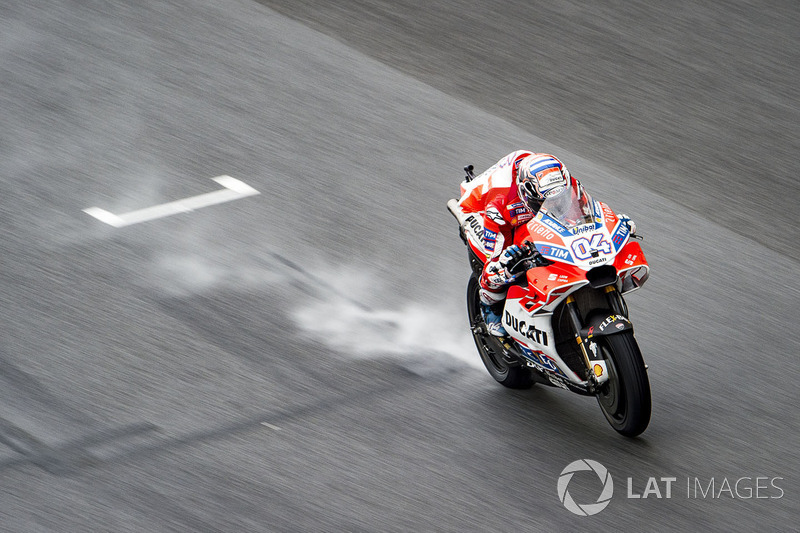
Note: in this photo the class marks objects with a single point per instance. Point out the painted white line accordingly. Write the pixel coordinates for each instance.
(234, 190)
(105, 216)
(270, 426)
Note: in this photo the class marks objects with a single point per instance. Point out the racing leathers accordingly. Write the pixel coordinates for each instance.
(495, 195)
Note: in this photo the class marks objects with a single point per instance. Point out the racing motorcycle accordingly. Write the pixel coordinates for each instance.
(566, 320)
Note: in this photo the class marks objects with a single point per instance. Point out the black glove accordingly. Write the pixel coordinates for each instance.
(538, 259)
(533, 255)
(511, 256)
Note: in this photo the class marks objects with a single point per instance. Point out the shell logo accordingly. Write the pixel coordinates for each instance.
(598, 370)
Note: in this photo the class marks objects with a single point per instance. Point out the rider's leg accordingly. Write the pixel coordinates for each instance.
(492, 308)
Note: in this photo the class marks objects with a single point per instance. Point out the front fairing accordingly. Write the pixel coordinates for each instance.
(575, 229)
(578, 234)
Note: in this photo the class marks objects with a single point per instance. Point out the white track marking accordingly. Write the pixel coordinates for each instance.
(270, 426)
(234, 190)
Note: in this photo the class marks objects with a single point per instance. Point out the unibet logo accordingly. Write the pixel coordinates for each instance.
(587, 509)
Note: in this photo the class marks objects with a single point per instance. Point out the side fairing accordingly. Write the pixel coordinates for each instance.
(632, 267)
(547, 286)
(534, 334)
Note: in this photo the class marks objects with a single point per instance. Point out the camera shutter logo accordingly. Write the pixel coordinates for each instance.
(587, 509)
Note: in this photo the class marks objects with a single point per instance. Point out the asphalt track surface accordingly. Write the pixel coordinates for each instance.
(299, 360)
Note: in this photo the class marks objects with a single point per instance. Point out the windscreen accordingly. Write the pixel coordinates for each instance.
(571, 207)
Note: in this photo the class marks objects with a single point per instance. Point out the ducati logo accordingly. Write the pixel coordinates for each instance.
(525, 329)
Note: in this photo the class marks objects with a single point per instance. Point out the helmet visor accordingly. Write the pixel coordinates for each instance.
(529, 195)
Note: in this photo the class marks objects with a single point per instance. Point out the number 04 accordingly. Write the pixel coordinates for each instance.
(582, 247)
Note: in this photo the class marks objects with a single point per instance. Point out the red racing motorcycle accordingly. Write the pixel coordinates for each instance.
(565, 315)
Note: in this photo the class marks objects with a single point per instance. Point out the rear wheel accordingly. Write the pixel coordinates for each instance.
(625, 397)
(512, 375)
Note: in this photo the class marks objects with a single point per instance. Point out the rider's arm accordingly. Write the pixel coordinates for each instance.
(497, 231)
(498, 235)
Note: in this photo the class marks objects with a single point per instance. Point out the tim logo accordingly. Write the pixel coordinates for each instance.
(555, 252)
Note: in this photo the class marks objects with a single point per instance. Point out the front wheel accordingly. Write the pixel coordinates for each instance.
(625, 397)
(512, 375)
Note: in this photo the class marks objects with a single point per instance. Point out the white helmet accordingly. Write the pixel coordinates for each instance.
(540, 176)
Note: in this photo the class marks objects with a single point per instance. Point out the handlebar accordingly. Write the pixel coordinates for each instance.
(531, 258)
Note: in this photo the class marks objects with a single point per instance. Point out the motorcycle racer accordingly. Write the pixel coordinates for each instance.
(564, 317)
(508, 195)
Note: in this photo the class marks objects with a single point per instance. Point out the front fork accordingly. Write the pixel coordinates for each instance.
(615, 301)
(596, 369)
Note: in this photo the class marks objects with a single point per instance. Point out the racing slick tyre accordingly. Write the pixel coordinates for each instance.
(512, 375)
(625, 397)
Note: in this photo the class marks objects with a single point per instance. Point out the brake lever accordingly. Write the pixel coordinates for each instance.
(520, 267)
(537, 257)
(533, 256)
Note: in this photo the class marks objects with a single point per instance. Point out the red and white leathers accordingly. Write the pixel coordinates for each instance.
(495, 196)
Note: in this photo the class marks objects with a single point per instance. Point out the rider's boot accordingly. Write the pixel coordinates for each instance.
(494, 322)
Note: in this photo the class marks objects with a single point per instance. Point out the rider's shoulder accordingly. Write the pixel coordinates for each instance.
(513, 159)
(504, 171)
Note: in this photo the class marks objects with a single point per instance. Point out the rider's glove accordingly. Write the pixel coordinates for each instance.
(625, 219)
(499, 273)
(497, 276)
(511, 256)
